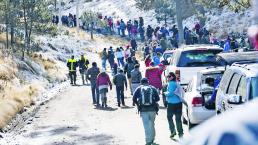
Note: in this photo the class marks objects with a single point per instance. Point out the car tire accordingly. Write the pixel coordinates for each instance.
(189, 124)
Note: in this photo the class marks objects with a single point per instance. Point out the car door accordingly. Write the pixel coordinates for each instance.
(232, 91)
(187, 96)
(223, 87)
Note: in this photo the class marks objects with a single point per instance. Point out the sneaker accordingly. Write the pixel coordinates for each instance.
(172, 135)
(118, 105)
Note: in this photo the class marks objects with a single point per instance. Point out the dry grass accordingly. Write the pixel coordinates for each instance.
(54, 71)
(14, 99)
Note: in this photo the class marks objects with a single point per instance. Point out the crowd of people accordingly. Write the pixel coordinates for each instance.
(126, 75)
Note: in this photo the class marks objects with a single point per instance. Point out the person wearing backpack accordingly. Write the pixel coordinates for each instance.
(174, 105)
(120, 81)
(146, 98)
(129, 66)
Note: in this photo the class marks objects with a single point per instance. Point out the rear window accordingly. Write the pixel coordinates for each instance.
(199, 58)
(254, 87)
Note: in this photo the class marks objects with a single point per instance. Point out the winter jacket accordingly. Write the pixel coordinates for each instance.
(136, 76)
(119, 54)
(103, 79)
(154, 76)
(147, 62)
(104, 55)
(92, 74)
(111, 56)
(137, 97)
(128, 68)
(171, 97)
(83, 64)
(120, 80)
(72, 64)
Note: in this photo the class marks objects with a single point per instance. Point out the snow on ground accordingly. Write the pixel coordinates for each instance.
(220, 22)
(118, 9)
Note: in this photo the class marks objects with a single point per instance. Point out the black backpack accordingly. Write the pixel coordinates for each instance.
(146, 96)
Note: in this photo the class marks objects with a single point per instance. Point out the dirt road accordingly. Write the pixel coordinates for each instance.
(71, 119)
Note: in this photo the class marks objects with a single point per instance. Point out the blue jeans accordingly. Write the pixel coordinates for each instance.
(120, 61)
(95, 93)
(104, 62)
(120, 95)
(148, 119)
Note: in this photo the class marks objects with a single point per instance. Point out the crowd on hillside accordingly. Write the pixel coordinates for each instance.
(164, 35)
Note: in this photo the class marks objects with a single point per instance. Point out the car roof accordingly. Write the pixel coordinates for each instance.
(250, 69)
(169, 51)
(233, 57)
(200, 46)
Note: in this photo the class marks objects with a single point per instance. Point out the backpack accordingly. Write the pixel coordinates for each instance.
(146, 96)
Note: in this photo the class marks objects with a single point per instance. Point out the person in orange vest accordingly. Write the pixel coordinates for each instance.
(72, 64)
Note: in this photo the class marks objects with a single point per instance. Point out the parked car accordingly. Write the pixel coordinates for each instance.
(236, 127)
(190, 59)
(239, 84)
(198, 95)
(166, 55)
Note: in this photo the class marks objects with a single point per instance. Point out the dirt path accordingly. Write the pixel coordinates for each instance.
(71, 119)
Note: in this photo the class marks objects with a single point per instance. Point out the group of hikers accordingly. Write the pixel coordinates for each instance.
(127, 75)
(135, 29)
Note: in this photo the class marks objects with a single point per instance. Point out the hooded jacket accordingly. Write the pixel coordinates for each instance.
(154, 76)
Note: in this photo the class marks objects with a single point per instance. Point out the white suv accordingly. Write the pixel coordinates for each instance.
(238, 85)
(190, 59)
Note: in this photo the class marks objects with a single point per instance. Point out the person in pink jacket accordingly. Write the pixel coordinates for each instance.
(154, 76)
(103, 81)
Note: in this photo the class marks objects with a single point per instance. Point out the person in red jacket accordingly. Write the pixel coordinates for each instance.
(147, 61)
(154, 76)
(103, 81)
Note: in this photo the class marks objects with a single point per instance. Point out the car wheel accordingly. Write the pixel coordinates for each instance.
(190, 125)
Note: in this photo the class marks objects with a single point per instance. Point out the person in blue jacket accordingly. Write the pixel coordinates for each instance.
(174, 106)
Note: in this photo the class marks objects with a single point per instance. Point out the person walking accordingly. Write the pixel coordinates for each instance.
(103, 81)
(146, 98)
(91, 75)
(136, 77)
(120, 57)
(120, 82)
(104, 57)
(72, 64)
(154, 76)
(129, 66)
(174, 106)
(147, 60)
(83, 66)
(111, 57)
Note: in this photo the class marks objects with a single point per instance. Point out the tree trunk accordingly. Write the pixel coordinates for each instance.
(179, 22)
(25, 29)
(55, 4)
(255, 8)
(7, 23)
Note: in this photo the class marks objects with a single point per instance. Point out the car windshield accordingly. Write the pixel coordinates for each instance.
(254, 87)
(199, 58)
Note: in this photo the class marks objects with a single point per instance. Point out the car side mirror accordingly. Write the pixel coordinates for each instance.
(234, 99)
(166, 62)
